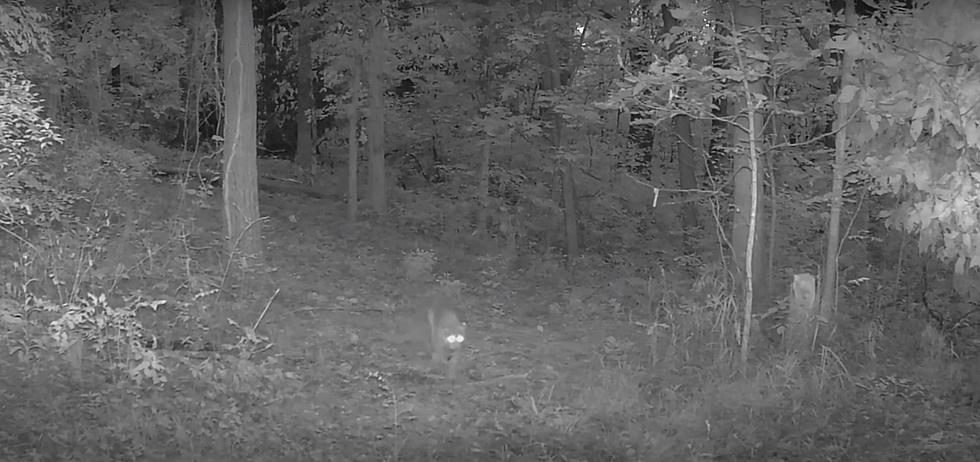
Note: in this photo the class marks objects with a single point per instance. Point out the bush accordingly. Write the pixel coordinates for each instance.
(24, 136)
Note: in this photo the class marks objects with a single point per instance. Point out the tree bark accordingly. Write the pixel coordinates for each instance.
(828, 298)
(683, 140)
(376, 124)
(748, 16)
(353, 118)
(190, 83)
(241, 204)
(552, 79)
(746, 133)
(483, 189)
(304, 93)
(270, 62)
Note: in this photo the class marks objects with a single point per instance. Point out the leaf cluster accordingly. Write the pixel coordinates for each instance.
(24, 136)
(919, 125)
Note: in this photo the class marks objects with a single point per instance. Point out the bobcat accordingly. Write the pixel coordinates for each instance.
(446, 336)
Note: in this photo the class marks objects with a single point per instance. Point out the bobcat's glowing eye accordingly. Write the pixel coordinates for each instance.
(455, 338)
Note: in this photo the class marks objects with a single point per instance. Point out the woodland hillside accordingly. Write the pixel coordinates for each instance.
(677, 230)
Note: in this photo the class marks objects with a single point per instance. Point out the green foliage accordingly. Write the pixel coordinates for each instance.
(22, 32)
(102, 168)
(918, 125)
(121, 65)
(24, 136)
(114, 334)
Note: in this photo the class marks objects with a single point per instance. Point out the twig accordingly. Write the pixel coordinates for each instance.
(265, 310)
(504, 377)
(234, 250)
(21, 239)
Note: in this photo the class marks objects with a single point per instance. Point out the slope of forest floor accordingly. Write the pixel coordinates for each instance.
(560, 365)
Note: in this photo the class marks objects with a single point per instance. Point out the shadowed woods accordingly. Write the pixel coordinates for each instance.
(500, 231)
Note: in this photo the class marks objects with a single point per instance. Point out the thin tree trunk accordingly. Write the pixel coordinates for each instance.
(352, 125)
(571, 209)
(191, 80)
(745, 134)
(565, 166)
(828, 298)
(748, 17)
(95, 96)
(483, 193)
(376, 126)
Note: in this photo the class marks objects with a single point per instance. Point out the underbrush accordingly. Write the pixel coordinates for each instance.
(697, 411)
(677, 391)
(84, 381)
(214, 412)
(160, 363)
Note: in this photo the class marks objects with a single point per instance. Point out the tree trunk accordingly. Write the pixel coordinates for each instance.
(686, 168)
(269, 62)
(718, 162)
(745, 133)
(353, 118)
(376, 121)
(483, 191)
(683, 140)
(241, 202)
(828, 298)
(304, 94)
(190, 84)
(571, 209)
(94, 96)
(565, 166)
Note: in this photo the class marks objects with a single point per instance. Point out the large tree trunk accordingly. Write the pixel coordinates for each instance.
(683, 140)
(376, 122)
(304, 93)
(241, 190)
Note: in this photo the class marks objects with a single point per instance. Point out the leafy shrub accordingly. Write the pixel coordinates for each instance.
(115, 334)
(24, 135)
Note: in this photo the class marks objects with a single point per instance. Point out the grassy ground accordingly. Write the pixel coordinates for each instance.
(589, 365)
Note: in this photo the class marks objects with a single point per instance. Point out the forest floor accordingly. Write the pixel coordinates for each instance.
(559, 365)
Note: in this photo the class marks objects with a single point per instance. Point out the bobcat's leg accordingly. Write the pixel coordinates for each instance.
(453, 364)
(437, 344)
(438, 353)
